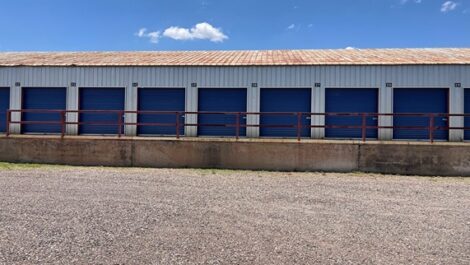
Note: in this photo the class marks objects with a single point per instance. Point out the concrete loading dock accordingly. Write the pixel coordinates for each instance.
(438, 159)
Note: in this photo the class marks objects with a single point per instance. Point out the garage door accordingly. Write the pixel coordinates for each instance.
(419, 100)
(43, 98)
(92, 98)
(4, 106)
(284, 100)
(467, 111)
(221, 100)
(350, 100)
(160, 99)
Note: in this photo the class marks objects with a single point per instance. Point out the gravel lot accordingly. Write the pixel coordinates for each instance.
(67, 215)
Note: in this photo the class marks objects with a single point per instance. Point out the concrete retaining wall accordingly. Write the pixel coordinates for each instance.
(446, 159)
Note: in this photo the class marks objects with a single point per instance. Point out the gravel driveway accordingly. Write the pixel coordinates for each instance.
(66, 215)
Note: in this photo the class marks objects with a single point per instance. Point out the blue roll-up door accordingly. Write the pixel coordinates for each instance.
(221, 100)
(285, 100)
(160, 99)
(419, 100)
(467, 111)
(99, 98)
(43, 98)
(4, 106)
(350, 100)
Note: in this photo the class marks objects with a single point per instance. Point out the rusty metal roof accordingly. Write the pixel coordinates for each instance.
(241, 58)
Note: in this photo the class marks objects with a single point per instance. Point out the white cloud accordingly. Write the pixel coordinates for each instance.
(177, 33)
(201, 31)
(350, 48)
(448, 6)
(291, 26)
(141, 32)
(153, 36)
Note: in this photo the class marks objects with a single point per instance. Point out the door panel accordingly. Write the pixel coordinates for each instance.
(161, 99)
(420, 100)
(467, 111)
(4, 106)
(92, 98)
(221, 100)
(43, 98)
(285, 100)
(351, 100)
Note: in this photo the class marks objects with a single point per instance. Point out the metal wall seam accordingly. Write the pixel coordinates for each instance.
(72, 104)
(318, 106)
(456, 106)
(385, 106)
(253, 106)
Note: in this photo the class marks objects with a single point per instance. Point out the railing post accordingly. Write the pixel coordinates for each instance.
(62, 123)
(238, 126)
(177, 125)
(431, 127)
(363, 128)
(7, 128)
(120, 114)
(299, 124)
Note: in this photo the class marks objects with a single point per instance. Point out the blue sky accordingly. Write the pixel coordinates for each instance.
(67, 25)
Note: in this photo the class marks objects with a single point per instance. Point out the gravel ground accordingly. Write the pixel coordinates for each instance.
(66, 215)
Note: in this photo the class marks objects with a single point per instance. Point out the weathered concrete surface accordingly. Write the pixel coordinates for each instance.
(445, 159)
(268, 155)
(53, 150)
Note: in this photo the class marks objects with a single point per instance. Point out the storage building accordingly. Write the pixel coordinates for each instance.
(95, 86)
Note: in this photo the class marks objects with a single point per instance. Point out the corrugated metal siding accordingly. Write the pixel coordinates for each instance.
(293, 76)
(269, 76)
(265, 76)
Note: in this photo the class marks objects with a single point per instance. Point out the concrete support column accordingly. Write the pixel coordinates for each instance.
(456, 106)
(130, 105)
(191, 106)
(385, 106)
(318, 106)
(253, 105)
(15, 104)
(72, 104)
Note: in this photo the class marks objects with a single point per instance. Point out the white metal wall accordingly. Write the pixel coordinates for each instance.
(444, 76)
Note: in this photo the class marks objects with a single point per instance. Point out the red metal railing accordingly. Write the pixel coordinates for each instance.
(237, 125)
